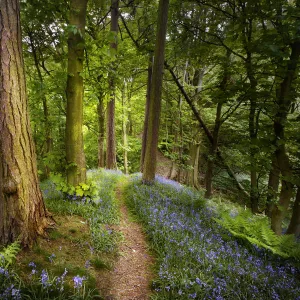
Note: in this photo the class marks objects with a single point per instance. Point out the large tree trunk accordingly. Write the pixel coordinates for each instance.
(155, 94)
(22, 211)
(283, 102)
(294, 227)
(111, 158)
(76, 169)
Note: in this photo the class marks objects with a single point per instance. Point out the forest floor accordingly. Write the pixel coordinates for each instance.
(98, 251)
(123, 274)
(131, 275)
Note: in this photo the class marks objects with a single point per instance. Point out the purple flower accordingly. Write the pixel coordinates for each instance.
(87, 264)
(4, 272)
(32, 264)
(51, 257)
(78, 281)
(45, 279)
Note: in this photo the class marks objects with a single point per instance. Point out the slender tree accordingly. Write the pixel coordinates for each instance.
(217, 127)
(101, 124)
(111, 160)
(48, 129)
(155, 94)
(22, 211)
(283, 106)
(294, 226)
(147, 106)
(76, 169)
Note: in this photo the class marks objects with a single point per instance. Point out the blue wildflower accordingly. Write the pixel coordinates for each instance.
(78, 281)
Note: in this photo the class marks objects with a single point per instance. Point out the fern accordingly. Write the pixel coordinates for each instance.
(257, 231)
(8, 254)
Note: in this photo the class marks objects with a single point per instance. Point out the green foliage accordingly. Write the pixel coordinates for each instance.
(8, 254)
(102, 209)
(82, 190)
(256, 230)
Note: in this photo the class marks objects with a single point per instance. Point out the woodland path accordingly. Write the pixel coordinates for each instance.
(132, 273)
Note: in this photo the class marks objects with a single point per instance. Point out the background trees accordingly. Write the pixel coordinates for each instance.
(230, 95)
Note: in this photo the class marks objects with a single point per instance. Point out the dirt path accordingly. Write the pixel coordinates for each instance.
(130, 279)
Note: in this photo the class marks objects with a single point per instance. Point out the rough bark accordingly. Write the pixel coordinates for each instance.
(283, 103)
(76, 169)
(294, 226)
(111, 159)
(22, 211)
(155, 94)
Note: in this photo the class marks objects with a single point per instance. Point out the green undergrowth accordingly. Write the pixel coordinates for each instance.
(256, 230)
(101, 211)
(68, 263)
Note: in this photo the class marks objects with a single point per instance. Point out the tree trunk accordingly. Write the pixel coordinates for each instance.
(155, 95)
(124, 128)
(111, 159)
(101, 121)
(218, 123)
(76, 168)
(147, 106)
(294, 227)
(22, 211)
(273, 184)
(253, 130)
(48, 131)
(283, 102)
(214, 147)
(192, 175)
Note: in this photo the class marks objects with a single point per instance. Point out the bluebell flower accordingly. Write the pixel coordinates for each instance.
(44, 279)
(87, 264)
(32, 264)
(193, 296)
(51, 257)
(78, 281)
(4, 272)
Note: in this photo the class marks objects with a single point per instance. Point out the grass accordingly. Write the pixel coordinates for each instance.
(197, 258)
(66, 263)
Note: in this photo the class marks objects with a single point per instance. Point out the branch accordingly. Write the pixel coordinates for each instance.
(206, 130)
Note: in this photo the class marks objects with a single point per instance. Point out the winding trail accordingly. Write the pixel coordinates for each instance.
(131, 277)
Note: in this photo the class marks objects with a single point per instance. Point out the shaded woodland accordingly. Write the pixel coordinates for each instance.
(213, 87)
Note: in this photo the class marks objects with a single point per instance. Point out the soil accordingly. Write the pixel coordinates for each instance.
(165, 166)
(132, 273)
